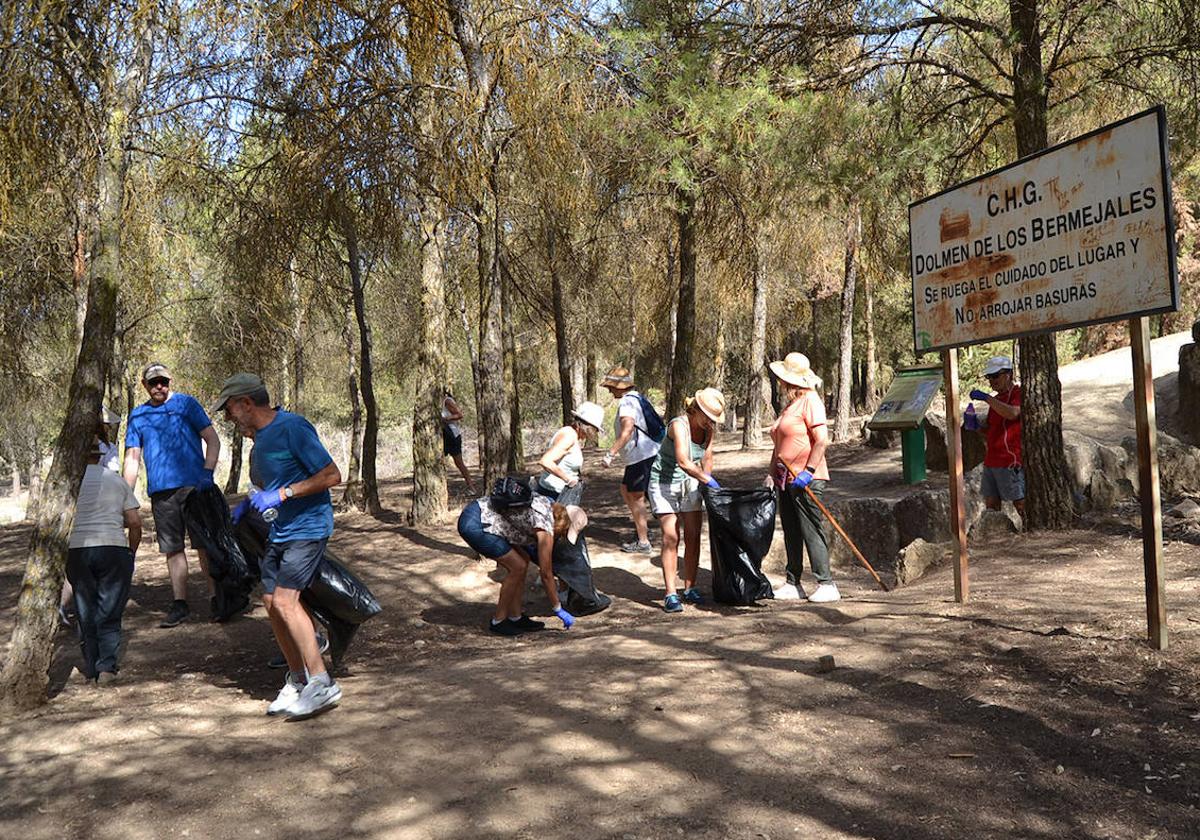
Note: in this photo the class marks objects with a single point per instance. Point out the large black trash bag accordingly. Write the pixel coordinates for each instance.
(573, 566)
(335, 590)
(741, 524)
(233, 573)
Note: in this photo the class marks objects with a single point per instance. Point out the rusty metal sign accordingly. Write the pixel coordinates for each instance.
(1077, 234)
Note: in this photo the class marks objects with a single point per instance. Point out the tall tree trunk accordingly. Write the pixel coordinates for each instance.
(16, 479)
(235, 464)
(430, 502)
(683, 369)
(870, 388)
(296, 380)
(494, 420)
(25, 677)
(841, 429)
(589, 373)
(1048, 499)
(756, 362)
(561, 328)
(352, 494)
(516, 449)
(370, 439)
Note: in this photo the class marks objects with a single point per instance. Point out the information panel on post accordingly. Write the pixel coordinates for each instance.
(1077, 234)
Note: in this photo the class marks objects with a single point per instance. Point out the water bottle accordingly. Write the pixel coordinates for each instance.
(270, 515)
(970, 421)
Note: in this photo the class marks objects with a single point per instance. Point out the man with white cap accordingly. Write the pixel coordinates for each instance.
(295, 471)
(638, 449)
(166, 432)
(1003, 475)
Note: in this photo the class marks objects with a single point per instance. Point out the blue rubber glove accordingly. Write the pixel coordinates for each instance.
(264, 500)
(802, 480)
(566, 617)
(239, 511)
(712, 482)
(976, 394)
(206, 480)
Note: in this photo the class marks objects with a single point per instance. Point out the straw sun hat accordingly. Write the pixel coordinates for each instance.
(795, 370)
(712, 403)
(619, 378)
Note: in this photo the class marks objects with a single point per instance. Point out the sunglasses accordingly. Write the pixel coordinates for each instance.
(158, 382)
(994, 375)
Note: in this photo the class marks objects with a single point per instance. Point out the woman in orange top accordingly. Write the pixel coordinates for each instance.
(798, 466)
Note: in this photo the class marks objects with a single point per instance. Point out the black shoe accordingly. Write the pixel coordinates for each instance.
(280, 662)
(528, 624)
(176, 615)
(507, 627)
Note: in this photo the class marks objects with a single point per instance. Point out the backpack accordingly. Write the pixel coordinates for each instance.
(510, 492)
(655, 429)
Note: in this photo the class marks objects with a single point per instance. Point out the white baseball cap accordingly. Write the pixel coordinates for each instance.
(997, 364)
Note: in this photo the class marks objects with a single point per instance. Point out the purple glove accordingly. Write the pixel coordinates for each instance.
(566, 617)
(712, 482)
(976, 394)
(239, 511)
(206, 480)
(802, 480)
(264, 500)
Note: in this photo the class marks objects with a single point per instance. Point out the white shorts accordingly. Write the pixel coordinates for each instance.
(680, 497)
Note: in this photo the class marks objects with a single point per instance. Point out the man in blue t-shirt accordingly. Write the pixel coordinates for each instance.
(295, 472)
(166, 432)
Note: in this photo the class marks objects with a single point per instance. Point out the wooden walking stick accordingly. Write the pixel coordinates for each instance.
(846, 537)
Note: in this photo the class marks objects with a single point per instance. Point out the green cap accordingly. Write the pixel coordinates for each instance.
(238, 385)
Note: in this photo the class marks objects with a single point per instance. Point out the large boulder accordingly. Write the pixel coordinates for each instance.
(1188, 410)
(1178, 466)
(994, 524)
(920, 556)
(936, 456)
(1102, 475)
(871, 525)
(923, 515)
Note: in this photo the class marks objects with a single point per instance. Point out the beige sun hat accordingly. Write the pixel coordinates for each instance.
(712, 403)
(590, 413)
(796, 370)
(618, 377)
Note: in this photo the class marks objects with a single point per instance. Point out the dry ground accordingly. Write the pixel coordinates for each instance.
(1036, 710)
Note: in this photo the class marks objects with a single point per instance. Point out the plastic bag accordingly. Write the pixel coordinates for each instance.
(573, 566)
(233, 573)
(335, 590)
(741, 525)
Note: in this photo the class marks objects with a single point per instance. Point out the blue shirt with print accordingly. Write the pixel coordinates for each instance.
(286, 451)
(169, 437)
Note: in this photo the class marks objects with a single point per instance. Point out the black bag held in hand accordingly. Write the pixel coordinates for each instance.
(510, 492)
(233, 573)
(573, 566)
(741, 525)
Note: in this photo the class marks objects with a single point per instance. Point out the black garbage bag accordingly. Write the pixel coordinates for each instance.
(573, 566)
(741, 524)
(335, 591)
(234, 575)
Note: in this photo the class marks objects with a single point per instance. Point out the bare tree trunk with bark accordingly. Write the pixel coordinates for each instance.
(683, 373)
(430, 500)
(352, 492)
(235, 464)
(756, 362)
(561, 328)
(296, 380)
(369, 500)
(870, 388)
(841, 429)
(516, 449)
(25, 677)
(1048, 499)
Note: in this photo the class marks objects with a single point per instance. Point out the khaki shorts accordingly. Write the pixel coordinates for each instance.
(678, 497)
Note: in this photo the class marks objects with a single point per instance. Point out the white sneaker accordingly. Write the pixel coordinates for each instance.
(317, 697)
(826, 593)
(288, 695)
(789, 592)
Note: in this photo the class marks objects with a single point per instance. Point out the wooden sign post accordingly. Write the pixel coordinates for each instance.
(958, 513)
(1148, 489)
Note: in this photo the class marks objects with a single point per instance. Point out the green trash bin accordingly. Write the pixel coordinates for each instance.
(912, 454)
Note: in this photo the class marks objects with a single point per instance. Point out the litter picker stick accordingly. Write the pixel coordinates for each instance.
(846, 537)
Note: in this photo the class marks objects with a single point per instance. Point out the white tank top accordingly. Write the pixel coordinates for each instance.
(571, 463)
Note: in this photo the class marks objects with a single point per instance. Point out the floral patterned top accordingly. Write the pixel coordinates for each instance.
(519, 526)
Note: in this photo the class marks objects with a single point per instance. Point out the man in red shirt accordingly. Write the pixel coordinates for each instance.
(1003, 476)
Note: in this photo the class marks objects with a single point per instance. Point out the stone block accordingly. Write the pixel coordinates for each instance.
(993, 524)
(918, 557)
(936, 456)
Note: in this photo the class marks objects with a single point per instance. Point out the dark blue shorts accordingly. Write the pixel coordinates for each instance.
(291, 565)
(470, 528)
(637, 476)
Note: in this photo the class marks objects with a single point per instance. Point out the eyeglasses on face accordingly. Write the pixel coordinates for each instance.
(158, 382)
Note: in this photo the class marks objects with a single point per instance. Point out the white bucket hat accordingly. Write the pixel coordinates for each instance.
(796, 370)
(997, 364)
(590, 413)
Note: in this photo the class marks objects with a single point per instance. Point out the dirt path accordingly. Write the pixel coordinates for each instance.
(1034, 711)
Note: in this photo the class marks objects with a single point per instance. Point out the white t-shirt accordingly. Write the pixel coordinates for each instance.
(100, 511)
(641, 446)
(454, 428)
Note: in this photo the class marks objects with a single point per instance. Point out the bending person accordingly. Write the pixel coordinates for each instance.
(797, 466)
(684, 462)
(562, 462)
(452, 438)
(500, 527)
